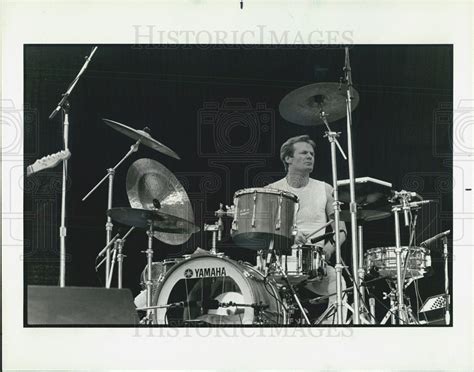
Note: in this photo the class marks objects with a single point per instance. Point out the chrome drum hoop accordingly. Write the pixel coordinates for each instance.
(383, 259)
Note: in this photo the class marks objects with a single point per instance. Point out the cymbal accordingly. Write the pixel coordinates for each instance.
(372, 198)
(143, 136)
(303, 105)
(366, 215)
(149, 185)
(143, 218)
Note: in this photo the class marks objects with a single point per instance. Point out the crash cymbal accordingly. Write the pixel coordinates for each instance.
(151, 185)
(143, 218)
(143, 136)
(303, 105)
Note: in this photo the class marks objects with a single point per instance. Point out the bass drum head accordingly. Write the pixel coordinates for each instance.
(204, 282)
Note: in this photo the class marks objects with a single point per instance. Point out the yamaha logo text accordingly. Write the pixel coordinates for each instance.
(208, 272)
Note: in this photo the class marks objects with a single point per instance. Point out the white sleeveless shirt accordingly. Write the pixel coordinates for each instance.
(315, 204)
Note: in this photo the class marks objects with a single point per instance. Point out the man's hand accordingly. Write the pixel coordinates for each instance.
(301, 238)
(329, 248)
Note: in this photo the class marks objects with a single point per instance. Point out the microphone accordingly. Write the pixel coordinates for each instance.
(421, 202)
(405, 211)
(431, 240)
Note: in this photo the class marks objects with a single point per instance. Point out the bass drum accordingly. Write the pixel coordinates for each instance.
(199, 286)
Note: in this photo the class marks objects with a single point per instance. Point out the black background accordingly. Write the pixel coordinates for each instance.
(401, 134)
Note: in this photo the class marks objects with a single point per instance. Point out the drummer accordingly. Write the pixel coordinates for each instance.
(315, 197)
(315, 202)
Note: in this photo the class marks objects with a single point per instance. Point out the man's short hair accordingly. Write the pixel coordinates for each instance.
(287, 148)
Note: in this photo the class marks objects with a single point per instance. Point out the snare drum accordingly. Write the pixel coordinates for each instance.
(263, 214)
(197, 283)
(384, 260)
(305, 262)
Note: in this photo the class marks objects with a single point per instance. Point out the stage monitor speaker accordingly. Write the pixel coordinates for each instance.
(48, 305)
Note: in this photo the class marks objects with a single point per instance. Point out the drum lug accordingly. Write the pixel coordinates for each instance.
(254, 208)
(278, 223)
(235, 224)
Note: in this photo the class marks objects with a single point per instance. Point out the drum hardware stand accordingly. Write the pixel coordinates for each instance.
(353, 204)
(444, 238)
(216, 228)
(447, 315)
(117, 255)
(270, 258)
(405, 206)
(407, 317)
(332, 138)
(65, 107)
(109, 225)
(372, 311)
(363, 309)
(148, 319)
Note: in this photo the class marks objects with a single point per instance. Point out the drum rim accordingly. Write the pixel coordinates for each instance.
(266, 190)
(236, 264)
(392, 248)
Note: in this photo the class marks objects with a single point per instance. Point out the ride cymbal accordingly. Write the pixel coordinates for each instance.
(303, 106)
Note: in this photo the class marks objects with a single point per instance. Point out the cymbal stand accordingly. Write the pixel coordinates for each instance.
(332, 138)
(271, 257)
(109, 225)
(364, 311)
(447, 315)
(405, 206)
(353, 204)
(117, 255)
(149, 283)
(65, 107)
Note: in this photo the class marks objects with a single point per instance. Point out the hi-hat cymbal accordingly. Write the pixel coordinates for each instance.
(303, 105)
(143, 136)
(371, 197)
(151, 185)
(366, 215)
(143, 218)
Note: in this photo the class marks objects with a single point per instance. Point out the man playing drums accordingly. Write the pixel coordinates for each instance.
(315, 205)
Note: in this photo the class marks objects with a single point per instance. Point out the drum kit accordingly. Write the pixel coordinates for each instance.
(209, 288)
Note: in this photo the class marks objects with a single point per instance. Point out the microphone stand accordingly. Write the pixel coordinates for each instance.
(447, 314)
(65, 107)
(353, 204)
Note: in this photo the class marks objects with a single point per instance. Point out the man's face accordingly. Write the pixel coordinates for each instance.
(302, 159)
